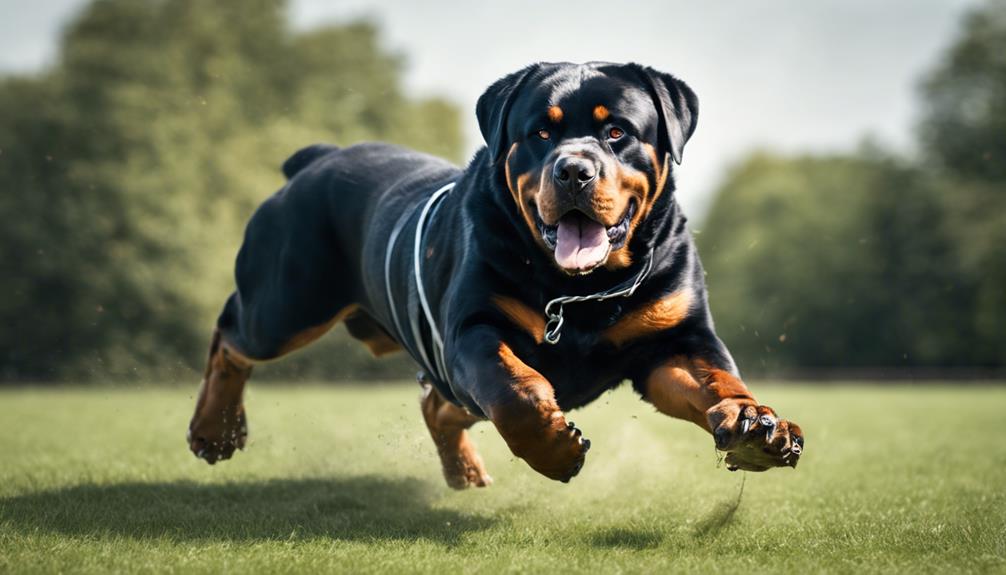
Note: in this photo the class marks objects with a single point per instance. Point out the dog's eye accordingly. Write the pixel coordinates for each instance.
(615, 133)
(544, 134)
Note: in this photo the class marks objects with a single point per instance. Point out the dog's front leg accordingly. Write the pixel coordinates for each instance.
(706, 391)
(521, 404)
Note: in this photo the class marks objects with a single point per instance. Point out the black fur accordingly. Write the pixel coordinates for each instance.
(319, 244)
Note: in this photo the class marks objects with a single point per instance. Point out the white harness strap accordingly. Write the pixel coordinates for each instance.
(553, 311)
(440, 369)
(437, 367)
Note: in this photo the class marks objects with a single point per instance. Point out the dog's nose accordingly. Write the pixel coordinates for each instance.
(574, 173)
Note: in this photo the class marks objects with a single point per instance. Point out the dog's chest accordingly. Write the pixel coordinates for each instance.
(582, 364)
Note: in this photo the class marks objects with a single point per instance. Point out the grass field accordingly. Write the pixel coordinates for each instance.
(894, 479)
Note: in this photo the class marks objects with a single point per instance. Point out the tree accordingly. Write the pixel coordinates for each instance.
(864, 260)
(833, 262)
(963, 134)
(131, 168)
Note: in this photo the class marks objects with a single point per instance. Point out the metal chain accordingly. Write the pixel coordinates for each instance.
(553, 328)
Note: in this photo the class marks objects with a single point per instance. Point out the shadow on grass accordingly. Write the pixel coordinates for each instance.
(350, 508)
(721, 515)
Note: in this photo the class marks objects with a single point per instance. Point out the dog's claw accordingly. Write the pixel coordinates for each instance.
(722, 438)
(756, 439)
(585, 443)
(570, 425)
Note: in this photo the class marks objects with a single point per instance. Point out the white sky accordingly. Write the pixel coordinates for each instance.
(789, 75)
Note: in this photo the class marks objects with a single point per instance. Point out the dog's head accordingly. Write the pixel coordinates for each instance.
(585, 152)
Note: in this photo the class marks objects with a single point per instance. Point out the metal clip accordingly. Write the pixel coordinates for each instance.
(553, 328)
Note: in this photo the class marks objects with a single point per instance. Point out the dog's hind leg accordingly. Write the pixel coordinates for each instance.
(293, 284)
(220, 425)
(448, 425)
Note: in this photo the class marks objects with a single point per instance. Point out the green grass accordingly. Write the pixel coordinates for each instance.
(896, 479)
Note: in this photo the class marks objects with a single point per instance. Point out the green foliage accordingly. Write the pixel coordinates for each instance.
(861, 260)
(131, 168)
(346, 480)
(965, 99)
(964, 133)
(838, 261)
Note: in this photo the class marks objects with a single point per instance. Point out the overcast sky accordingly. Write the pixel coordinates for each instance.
(787, 75)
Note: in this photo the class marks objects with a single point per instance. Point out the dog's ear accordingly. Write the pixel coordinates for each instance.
(677, 105)
(493, 108)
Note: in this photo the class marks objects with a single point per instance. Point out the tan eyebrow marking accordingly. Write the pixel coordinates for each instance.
(601, 113)
(555, 114)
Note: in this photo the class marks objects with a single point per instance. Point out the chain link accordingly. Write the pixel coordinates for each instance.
(554, 309)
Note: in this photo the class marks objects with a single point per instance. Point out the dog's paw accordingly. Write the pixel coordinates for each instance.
(561, 452)
(463, 468)
(536, 430)
(753, 437)
(216, 436)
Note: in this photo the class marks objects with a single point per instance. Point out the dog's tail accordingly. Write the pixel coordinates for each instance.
(303, 157)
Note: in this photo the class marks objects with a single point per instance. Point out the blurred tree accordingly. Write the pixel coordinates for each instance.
(130, 169)
(965, 100)
(863, 260)
(835, 261)
(964, 135)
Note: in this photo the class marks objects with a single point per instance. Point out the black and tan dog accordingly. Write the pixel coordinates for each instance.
(573, 196)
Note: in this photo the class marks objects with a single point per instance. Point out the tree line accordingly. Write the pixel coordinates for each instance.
(129, 168)
(868, 261)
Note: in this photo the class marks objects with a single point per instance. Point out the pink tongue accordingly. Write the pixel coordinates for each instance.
(581, 243)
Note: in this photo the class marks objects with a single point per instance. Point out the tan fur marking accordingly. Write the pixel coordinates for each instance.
(555, 114)
(522, 181)
(219, 424)
(448, 425)
(506, 172)
(654, 317)
(381, 346)
(363, 327)
(601, 113)
(532, 424)
(616, 193)
(312, 333)
(619, 259)
(662, 170)
(669, 389)
(531, 321)
(517, 190)
(687, 388)
(521, 374)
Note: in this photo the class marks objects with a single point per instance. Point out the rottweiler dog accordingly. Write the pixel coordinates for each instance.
(554, 267)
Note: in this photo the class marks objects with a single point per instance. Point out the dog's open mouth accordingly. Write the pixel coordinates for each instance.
(580, 243)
